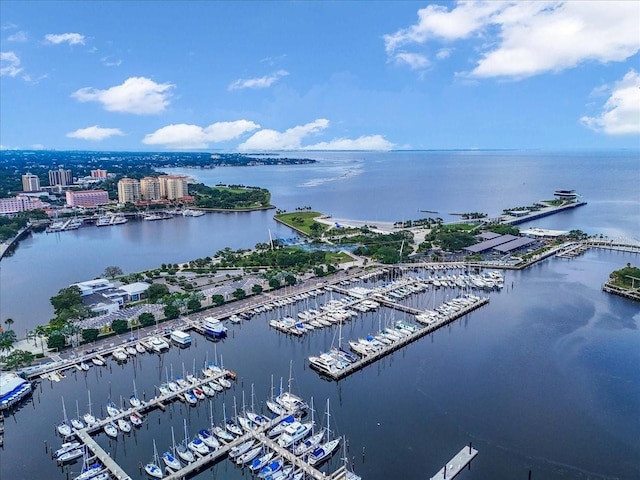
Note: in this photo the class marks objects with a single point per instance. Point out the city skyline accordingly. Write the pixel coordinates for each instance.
(259, 76)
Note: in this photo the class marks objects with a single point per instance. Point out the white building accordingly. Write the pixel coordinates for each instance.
(30, 183)
(135, 291)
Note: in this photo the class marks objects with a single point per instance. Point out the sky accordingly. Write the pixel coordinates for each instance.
(319, 75)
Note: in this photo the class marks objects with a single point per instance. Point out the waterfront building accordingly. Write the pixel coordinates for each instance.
(150, 188)
(135, 291)
(87, 198)
(20, 203)
(99, 173)
(129, 190)
(173, 187)
(93, 286)
(60, 177)
(30, 183)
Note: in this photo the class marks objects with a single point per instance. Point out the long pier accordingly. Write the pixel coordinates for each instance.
(387, 349)
(456, 464)
(110, 464)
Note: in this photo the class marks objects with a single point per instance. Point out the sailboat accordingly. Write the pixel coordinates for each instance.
(207, 435)
(183, 452)
(76, 422)
(152, 468)
(253, 416)
(63, 427)
(324, 451)
(88, 418)
(134, 401)
(312, 442)
(232, 426)
(274, 406)
(292, 403)
(220, 430)
(168, 457)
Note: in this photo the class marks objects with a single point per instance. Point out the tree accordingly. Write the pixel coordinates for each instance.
(274, 283)
(56, 340)
(18, 358)
(256, 289)
(112, 272)
(66, 299)
(193, 304)
(217, 300)
(119, 326)
(7, 339)
(171, 312)
(156, 291)
(8, 322)
(290, 279)
(239, 294)
(146, 319)
(90, 334)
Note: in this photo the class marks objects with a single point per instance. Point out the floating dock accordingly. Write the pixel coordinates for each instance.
(456, 464)
(387, 349)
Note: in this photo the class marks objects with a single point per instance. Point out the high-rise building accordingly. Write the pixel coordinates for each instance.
(98, 173)
(30, 183)
(87, 198)
(173, 187)
(150, 188)
(129, 190)
(60, 177)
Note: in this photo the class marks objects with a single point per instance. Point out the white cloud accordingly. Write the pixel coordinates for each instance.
(521, 39)
(9, 64)
(621, 112)
(95, 133)
(20, 36)
(290, 139)
(70, 38)
(111, 61)
(261, 82)
(443, 53)
(415, 61)
(138, 95)
(366, 142)
(193, 136)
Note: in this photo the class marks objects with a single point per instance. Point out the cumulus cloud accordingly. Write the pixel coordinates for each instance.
(9, 64)
(183, 135)
(290, 139)
(95, 133)
(366, 142)
(138, 95)
(70, 38)
(521, 39)
(261, 82)
(621, 113)
(19, 36)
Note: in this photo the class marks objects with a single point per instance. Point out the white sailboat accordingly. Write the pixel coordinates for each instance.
(183, 452)
(88, 418)
(76, 422)
(134, 401)
(63, 427)
(153, 469)
(169, 458)
(324, 451)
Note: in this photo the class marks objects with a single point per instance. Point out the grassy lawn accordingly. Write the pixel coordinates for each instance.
(338, 257)
(303, 221)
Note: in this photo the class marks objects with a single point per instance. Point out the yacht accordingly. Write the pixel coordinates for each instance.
(214, 327)
(294, 432)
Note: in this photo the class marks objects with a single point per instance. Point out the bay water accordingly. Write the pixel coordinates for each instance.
(544, 378)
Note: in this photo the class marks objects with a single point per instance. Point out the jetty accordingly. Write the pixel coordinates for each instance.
(109, 463)
(420, 332)
(456, 464)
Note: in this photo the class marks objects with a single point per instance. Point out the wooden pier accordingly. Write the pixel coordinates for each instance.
(456, 464)
(387, 349)
(110, 464)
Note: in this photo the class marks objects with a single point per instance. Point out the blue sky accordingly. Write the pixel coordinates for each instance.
(229, 76)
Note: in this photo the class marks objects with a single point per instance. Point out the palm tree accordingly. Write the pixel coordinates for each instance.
(8, 322)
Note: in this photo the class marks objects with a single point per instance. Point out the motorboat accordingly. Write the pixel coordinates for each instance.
(214, 327)
(279, 428)
(198, 446)
(294, 432)
(70, 455)
(65, 447)
(119, 354)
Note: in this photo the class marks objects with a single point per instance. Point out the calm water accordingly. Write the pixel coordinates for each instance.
(545, 377)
